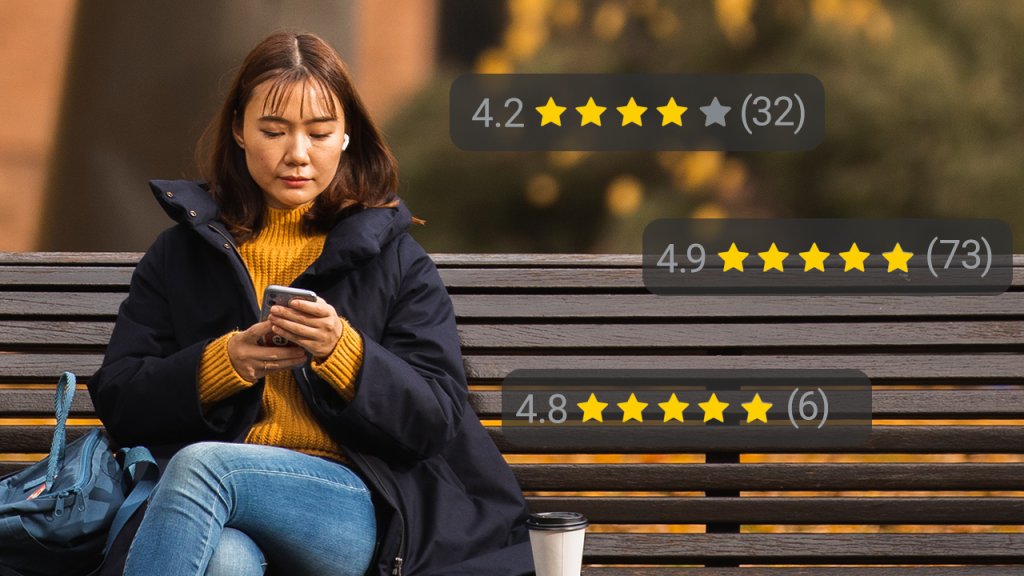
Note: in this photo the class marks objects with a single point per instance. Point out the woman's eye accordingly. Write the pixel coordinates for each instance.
(272, 134)
(320, 136)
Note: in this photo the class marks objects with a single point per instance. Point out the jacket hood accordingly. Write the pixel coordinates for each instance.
(353, 241)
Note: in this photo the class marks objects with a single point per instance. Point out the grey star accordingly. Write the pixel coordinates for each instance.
(715, 112)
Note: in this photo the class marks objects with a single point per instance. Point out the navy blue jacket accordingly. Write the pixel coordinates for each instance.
(447, 503)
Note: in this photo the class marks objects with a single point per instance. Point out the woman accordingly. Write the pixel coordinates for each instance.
(354, 451)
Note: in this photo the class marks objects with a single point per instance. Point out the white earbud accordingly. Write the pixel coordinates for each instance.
(344, 143)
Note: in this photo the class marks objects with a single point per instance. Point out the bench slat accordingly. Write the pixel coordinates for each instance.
(878, 367)
(702, 336)
(49, 366)
(487, 404)
(883, 439)
(440, 259)
(546, 306)
(629, 548)
(633, 306)
(587, 279)
(803, 571)
(745, 335)
(754, 477)
(92, 276)
(60, 303)
(794, 510)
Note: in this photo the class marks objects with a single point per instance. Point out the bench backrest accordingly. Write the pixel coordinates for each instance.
(946, 374)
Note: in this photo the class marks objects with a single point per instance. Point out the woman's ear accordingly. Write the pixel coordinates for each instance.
(236, 131)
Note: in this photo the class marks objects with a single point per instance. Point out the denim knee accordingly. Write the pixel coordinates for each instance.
(236, 555)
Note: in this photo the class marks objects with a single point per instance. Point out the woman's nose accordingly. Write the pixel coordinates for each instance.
(298, 150)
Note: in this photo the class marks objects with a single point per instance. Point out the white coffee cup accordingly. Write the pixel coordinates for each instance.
(557, 542)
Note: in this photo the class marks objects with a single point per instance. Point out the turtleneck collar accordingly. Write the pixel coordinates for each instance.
(288, 222)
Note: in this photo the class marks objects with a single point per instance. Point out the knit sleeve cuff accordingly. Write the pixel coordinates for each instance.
(217, 377)
(342, 365)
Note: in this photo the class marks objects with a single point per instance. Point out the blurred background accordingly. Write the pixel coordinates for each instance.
(923, 111)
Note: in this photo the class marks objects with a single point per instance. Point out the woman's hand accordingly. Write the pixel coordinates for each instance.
(314, 326)
(253, 361)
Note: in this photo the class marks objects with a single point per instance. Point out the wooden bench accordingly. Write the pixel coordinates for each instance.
(946, 374)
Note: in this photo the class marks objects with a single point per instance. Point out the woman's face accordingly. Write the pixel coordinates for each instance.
(291, 157)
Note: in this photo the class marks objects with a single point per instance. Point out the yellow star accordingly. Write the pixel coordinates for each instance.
(713, 409)
(673, 408)
(814, 258)
(591, 113)
(671, 114)
(898, 258)
(592, 409)
(632, 410)
(773, 258)
(757, 410)
(551, 112)
(631, 113)
(854, 258)
(733, 258)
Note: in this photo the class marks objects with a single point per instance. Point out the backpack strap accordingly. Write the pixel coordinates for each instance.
(140, 489)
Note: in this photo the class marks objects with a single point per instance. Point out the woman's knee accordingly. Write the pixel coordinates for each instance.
(236, 555)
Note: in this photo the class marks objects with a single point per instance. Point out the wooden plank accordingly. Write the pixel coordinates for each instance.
(786, 510)
(960, 404)
(440, 259)
(824, 477)
(71, 258)
(883, 440)
(879, 367)
(48, 366)
(55, 333)
(634, 306)
(884, 403)
(538, 260)
(537, 279)
(92, 276)
(646, 336)
(628, 548)
(703, 336)
(679, 570)
(60, 303)
(472, 306)
(980, 368)
(16, 403)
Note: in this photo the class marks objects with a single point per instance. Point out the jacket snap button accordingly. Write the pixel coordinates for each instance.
(192, 213)
(170, 194)
(228, 246)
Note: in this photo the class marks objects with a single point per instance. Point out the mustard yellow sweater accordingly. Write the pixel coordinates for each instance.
(278, 256)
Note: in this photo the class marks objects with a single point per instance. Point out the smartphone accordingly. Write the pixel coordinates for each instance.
(280, 295)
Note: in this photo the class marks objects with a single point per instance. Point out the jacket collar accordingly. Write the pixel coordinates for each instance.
(351, 243)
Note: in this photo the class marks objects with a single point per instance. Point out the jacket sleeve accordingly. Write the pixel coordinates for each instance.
(410, 389)
(146, 392)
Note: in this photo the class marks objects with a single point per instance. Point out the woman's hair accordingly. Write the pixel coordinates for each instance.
(367, 172)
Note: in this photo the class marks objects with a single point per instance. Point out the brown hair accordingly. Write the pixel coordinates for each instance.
(367, 172)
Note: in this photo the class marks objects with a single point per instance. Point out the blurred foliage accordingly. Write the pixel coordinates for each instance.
(922, 120)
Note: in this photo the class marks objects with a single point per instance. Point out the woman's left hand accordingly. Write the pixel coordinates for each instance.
(314, 326)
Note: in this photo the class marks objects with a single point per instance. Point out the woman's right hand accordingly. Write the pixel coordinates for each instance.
(253, 361)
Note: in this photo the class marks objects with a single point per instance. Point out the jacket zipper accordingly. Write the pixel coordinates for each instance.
(396, 566)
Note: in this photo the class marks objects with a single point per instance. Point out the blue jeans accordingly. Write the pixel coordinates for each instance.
(222, 508)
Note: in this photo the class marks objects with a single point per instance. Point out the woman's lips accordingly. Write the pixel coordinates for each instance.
(295, 183)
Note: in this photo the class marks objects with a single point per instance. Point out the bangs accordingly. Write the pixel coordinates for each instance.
(283, 85)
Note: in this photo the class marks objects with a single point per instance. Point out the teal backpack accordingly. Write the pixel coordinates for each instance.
(59, 516)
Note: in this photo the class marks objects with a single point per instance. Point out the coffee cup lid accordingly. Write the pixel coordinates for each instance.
(557, 521)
